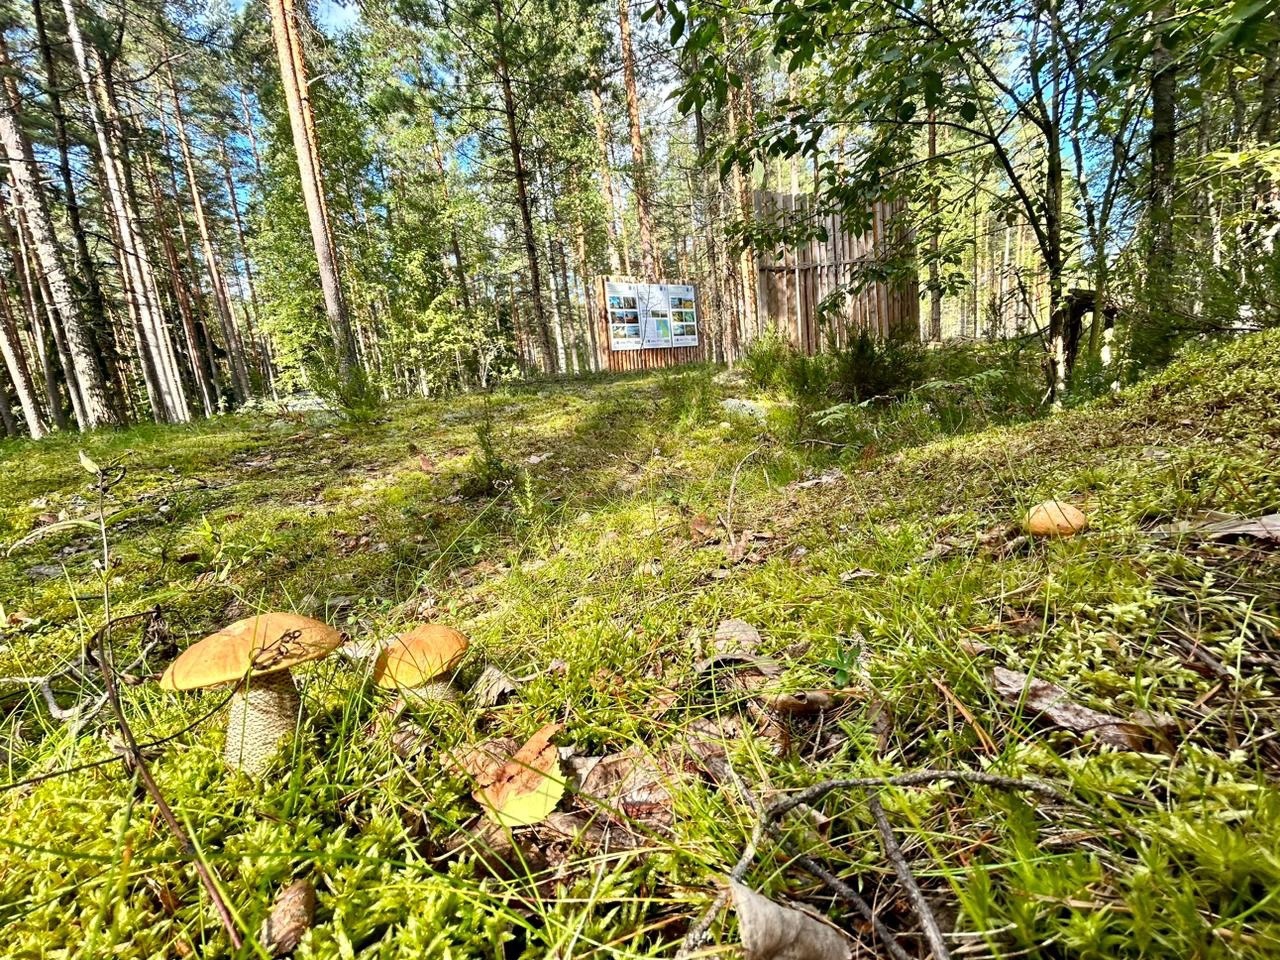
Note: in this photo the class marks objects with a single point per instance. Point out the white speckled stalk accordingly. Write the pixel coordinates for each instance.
(433, 691)
(262, 714)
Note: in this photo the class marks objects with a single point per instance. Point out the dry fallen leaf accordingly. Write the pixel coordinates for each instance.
(771, 931)
(735, 637)
(631, 784)
(822, 480)
(1053, 703)
(291, 916)
(492, 687)
(527, 787)
(427, 464)
(700, 528)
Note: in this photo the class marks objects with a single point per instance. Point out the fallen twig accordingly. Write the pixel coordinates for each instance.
(894, 852)
(859, 903)
(733, 486)
(767, 820)
(133, 759)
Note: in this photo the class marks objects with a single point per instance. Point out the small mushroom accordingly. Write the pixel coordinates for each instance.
(1053, 518)
(420, 663)
(256, 654)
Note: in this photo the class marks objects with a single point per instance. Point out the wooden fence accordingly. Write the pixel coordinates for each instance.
(791, 287)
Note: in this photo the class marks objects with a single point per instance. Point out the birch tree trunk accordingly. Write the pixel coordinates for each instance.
(15, 362)
(97, 409)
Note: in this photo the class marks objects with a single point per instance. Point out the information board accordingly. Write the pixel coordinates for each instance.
(645, 316)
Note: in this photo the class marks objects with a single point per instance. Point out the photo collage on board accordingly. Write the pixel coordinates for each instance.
(624, 319)
(651, 316)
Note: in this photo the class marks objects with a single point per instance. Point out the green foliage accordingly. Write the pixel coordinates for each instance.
(488, 472)
(690, 396)
(587, 562)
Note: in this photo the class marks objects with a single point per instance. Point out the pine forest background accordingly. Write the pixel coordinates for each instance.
(208, 205)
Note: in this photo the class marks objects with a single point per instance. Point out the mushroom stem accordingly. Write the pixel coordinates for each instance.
(433, 691)
(263, 712)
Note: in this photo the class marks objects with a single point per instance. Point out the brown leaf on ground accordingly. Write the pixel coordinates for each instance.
(822, 480)
(735, 637)
(1019, 624)
(492, 688)
(527, 787)
(291, 916)
(427, 464)
(498, 853)
(1054, 704)
(770, 931)
(632, 784)
(703, 529)
(481, 761)
(593, 834)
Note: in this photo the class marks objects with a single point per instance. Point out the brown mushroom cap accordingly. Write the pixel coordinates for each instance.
(251, 647)
(425, 653)
(1054, 518)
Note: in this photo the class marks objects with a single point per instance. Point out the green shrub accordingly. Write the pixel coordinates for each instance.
(764, 362)
(872, 368)
(488, 473)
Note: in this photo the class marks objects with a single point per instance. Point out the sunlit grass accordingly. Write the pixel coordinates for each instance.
(586, 557)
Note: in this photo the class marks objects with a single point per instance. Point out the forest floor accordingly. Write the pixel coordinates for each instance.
(594, 541)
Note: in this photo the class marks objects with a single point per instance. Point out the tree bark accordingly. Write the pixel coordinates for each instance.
(288, 44)
(639, 164)
(106, 350)
(168, 400)
(97, 408)
(217, 282)
(15, 362)
(612, 226)
(522, 188)
(1163, 143)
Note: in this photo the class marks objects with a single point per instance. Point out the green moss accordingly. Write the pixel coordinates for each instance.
(585, 556)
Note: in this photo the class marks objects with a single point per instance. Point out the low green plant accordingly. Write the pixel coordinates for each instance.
(690, 396)
(488, 473)
(875, 368)
(353, 393)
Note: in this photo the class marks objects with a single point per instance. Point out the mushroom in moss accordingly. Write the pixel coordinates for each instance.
(256, 654)
(1053, 518)
(421, 662)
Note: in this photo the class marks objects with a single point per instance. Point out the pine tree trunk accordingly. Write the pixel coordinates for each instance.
(639, 166)
(522, 190)
(106, 349)
(217, 282)
(248, 132)
(455, 246)
(288, 44)
(204, 381)
(747, 266)
(97, 409)
(1163, 143)
(259, 338)
(606, 183)
(167, 398)
(31, 309)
